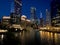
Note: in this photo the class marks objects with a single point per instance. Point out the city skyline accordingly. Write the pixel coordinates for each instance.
(40, 5)
(29, 22)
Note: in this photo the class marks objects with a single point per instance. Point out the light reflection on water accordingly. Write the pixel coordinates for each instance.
(33, 37)
(49, 38)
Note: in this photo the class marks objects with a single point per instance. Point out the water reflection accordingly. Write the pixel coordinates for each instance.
(49, 38)
(23, 38)
(2, 38)
(31, 37)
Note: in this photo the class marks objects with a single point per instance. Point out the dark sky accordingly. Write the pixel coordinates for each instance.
(41, 5)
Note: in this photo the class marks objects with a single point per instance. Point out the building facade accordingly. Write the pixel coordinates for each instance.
(33, 15)
(41, 20)
(18, 8)
(55, 13)
(6, 20)
(48, 18)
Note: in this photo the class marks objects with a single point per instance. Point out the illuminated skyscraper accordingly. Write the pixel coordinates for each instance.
(33, 14)
(55, 12)
(18, 8)
(13, 14)
(48, 18)
(41, 20)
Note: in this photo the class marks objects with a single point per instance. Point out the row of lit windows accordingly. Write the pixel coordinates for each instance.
(55, 21)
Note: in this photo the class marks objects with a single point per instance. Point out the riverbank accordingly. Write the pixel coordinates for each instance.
(53, 31)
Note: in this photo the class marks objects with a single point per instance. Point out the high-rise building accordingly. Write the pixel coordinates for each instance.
(18, 8)
(48, 18)
(33, 14)
(12, 14)
(16, 11)
(13, 18)
(41, 20)
(55, 12)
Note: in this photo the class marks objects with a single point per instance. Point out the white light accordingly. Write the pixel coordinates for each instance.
(2, 36)
(23, 19)
(16, 29)
(28, 20)
(23, 16)
(6, 17)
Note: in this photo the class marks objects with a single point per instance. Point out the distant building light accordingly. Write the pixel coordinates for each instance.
(23, 19)
(58, 17)
(23, 16)
(58, 24)
(58, 11)
(6, 17)
(28, 20)
(54, 18)
(54, 21)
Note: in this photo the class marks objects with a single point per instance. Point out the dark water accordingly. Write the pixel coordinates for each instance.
(31, 37)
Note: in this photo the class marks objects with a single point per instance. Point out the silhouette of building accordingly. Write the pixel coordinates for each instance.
(55, 12)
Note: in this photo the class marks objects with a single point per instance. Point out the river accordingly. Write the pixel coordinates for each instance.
(31, 37)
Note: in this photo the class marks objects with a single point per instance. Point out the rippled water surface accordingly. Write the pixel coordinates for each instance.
(31, 37)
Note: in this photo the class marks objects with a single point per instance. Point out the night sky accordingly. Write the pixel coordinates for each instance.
(41, 5)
